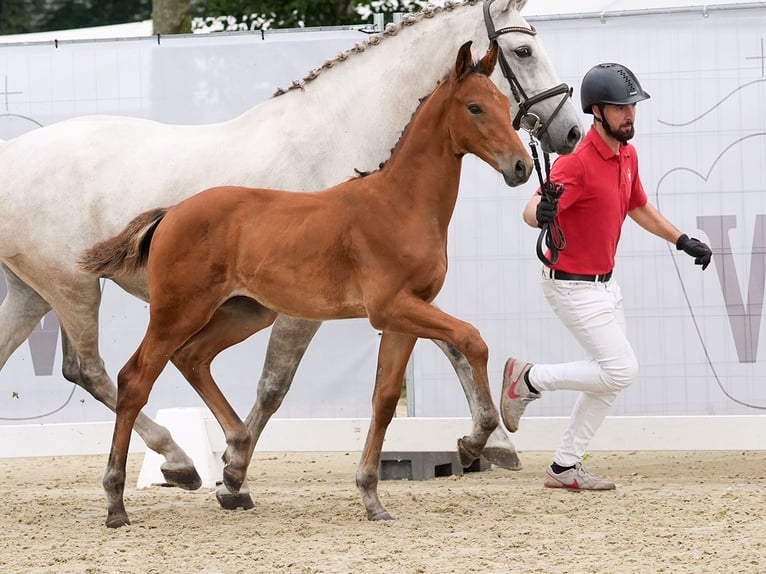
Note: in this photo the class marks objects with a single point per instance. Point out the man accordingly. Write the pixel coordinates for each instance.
(601, 187)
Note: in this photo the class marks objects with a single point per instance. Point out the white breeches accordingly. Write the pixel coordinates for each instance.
(593, 313)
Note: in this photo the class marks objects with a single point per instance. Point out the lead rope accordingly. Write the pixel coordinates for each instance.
(550, 233)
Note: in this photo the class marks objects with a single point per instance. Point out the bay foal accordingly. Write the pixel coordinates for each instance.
(374, 246)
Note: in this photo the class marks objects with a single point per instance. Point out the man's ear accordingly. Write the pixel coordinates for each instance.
(596, 111)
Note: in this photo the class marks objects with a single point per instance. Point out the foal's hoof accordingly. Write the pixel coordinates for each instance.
(502, 457)
(229, 501)
(186, 478)
(232, 481)
(466, 455)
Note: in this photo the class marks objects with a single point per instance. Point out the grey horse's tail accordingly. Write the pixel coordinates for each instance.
(124, 253)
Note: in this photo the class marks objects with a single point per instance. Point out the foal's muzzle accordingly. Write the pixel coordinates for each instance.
(518, 173)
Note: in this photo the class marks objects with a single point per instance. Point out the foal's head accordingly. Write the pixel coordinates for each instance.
(479, 117)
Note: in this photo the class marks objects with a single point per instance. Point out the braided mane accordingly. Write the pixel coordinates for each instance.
(382, 164)
(390, 30)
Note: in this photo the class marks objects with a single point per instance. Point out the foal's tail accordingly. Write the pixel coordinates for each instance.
(124, 253)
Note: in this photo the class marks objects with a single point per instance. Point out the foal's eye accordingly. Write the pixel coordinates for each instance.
(475, 109)
(523, 52)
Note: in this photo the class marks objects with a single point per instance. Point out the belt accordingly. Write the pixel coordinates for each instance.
(563, 275)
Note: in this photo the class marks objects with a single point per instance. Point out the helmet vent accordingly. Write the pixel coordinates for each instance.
(632, 89)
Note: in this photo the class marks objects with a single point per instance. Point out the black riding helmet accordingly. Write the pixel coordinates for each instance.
(610, 84)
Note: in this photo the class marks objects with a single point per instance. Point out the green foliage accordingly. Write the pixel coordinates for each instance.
(280, 13)
(65, 14)
(218, 15)
(18, 16)
(22, 16)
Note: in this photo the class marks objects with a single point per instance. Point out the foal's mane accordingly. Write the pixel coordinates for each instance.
(390, 30)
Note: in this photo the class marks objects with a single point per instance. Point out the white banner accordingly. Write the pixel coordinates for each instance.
(701, 140)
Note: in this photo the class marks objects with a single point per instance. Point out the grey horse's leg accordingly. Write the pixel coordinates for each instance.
(289, 339)
(232, 322)
(499, 449)
(20, 313)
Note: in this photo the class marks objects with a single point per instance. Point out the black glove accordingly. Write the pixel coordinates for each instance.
(546, 210)
(695, 248)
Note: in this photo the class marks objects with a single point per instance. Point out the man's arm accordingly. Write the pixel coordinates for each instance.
(648, 217)
(530, 210)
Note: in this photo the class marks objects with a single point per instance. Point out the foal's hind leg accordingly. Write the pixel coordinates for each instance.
(178, 468)
(233, 322)
(393, 353)
(21, 312)
(288, 341)
(171, 325)
(83, 366)
(500, 451)
(134, 383)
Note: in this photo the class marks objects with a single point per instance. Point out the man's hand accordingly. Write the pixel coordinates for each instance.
(695, 248)
(546, 211)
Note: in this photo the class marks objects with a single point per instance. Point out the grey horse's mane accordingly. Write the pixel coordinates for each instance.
(390, 30)
(474, 69)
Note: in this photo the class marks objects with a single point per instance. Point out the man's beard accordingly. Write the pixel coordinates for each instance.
(622, 135)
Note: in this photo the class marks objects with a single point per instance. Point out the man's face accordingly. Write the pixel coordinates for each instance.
(618, 121)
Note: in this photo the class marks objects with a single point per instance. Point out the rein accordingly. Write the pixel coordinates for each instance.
(550, 233)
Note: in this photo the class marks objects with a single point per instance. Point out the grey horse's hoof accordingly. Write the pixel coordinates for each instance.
(467, 457)
(117, 521)
(381, 516)
(186, 478)
(502, 457)
(229, 501)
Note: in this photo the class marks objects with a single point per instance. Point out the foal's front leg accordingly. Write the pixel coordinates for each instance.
(420, 319)
(499, 450)
(393, 354)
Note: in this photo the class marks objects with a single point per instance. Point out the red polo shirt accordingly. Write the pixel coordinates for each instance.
(600, 188)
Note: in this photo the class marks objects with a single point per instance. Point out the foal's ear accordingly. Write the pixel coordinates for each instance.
(464, 63)
(487, 63)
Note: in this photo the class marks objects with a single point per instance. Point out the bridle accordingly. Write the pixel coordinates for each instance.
(550, 233)
(524, 102)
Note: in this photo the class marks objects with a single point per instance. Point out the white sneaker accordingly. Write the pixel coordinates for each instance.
(577, 478)
(515, 395)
